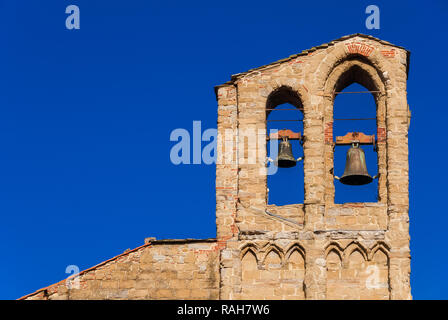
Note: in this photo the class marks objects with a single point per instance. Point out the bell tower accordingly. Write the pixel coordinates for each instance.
(316, 248)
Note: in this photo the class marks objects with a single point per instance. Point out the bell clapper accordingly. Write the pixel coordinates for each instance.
(376, 176)
(335, 176)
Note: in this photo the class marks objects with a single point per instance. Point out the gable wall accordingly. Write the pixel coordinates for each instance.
(155, 271)
(317, 223)
(311, 250)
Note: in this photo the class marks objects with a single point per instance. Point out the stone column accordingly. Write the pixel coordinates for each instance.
(398, 184)
(226, 184)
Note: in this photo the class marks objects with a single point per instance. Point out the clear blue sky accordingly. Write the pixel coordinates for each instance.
(86, 115)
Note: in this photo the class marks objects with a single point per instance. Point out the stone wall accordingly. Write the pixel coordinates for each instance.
(311, 250)
(351, 250)
(271, 272)
(183, 269)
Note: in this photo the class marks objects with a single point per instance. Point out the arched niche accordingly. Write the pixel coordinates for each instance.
(250, 273)
(295, 263)
(355, 70)
(284, 110)
(249, 262)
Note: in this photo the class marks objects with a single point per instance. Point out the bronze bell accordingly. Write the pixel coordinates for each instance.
(285, 158)
(355, 173)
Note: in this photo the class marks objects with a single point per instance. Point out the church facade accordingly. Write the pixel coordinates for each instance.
(317, 249)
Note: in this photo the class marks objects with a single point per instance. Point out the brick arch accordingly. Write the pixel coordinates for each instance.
(249, 247)
(294, 247)
(284, 94)
(340, 54)
(278, 87)
(246, 256)
(354, 70)
(337, 253)
(277, 250)
(351, 71)
(382, 251)
(334, 246)
(290, 258)
(249, 251)
(352, 247)
(379, 246)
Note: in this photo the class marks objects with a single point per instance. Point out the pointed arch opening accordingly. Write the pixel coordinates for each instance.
(284, 110)
(362, 107)
(356, 104)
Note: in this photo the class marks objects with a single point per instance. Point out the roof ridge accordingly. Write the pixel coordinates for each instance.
(126, 252)
(306, 52)
(86, 270)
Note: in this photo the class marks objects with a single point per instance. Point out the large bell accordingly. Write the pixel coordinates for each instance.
(285, 158)
(355, 173)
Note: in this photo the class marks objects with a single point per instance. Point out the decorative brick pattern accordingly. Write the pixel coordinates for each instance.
(329, 133)
(360, 48)
(388, 53)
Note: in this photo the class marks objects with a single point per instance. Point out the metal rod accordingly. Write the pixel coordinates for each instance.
(271, 109)
(341, 119)
(282, 218)
(339, 92)
(357, 119)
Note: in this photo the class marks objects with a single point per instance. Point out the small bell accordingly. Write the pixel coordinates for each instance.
(355, 173)
(285, 158)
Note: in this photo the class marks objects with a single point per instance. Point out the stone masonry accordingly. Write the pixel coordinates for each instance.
(311, 250)
(163, 269)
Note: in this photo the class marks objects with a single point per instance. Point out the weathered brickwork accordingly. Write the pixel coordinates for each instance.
(312, 250)
(348, 251)
(158, 270)
(270, 272)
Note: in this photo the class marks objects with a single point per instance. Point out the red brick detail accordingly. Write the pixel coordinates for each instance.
(388, 53)
(381, 134)
(351, 137)
(285, 133)
(328, 133)
(358, 47)
(221, 244)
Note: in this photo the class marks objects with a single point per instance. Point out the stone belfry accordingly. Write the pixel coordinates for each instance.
(317, 249)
